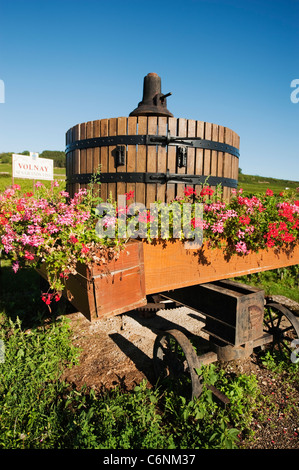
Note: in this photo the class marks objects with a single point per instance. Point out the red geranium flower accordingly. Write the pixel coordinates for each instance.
(188, 191)
(207, 191)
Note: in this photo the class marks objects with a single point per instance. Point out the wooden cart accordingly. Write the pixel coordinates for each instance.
(198, 279)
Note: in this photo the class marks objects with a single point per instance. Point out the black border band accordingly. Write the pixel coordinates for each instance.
(154, 178)
(194, 142)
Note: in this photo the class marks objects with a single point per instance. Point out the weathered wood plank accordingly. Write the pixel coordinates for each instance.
(181, 132)
(104, 131)
(96, 153)
(161, 158)
(83, 152)
(131, 155)
(227, 166)
(199, 154)
(76, 158)
(89, 152)
(207, 153)
(171, 159)
(214, 153)
(151, 189)
(141, 159)
(191, 132)
(111, 161)
(121, 130)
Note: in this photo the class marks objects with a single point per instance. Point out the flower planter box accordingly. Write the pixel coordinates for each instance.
(168, 265)
(104, 291)
(148, 268)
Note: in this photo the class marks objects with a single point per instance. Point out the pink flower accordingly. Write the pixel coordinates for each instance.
(197, 223)
(15, 266)
(73, 239)
(28, 255)
(217, 227)
(240, 234)
(38, 184)
(241, 247)
(84, 249)
(25, 239)
(109, 221)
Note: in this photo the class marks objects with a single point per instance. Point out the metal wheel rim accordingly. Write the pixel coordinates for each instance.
(284, 327)
(168, 365)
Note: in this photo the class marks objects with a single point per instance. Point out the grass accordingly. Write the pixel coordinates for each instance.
(282, 281)
(27, 185)
(253, 184)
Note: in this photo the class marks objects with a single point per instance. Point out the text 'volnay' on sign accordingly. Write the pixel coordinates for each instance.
(32, 167)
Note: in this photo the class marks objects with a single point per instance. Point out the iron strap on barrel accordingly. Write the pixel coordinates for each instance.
(160, 178)
(194, 142)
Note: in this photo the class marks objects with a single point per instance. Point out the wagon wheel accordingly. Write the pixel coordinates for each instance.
(175, 363)
(284, 327)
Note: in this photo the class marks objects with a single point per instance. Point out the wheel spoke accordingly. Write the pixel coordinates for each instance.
(283, 325)
(175, 362)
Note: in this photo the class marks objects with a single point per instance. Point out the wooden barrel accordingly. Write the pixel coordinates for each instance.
(154, 156)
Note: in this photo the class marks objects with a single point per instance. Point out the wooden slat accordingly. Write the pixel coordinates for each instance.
(69, 158)
(235, 163)
(214, 154)
(96, 154)
(131, 154)
(200, 125)
(181, 132)
(89, 152)
(151, 189)
(112, 123)
(161, 158)
(104, 132)
(191, 130)
(121, 129)
(220, 162)
(227, 166)
(76, 158)
(207, 153)
(141, 159)
(170, 266)
(83, 152)
(171, 159)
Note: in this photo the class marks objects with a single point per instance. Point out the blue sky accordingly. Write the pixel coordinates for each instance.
(227, 62)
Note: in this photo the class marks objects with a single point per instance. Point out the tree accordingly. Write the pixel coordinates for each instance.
(56, 155)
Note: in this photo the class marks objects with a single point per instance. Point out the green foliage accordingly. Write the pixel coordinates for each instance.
(56, 155)
(281, 281)
(29, 385)
(38, 410)
(254, 184)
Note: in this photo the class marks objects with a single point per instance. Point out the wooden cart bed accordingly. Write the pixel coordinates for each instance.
(150, 268)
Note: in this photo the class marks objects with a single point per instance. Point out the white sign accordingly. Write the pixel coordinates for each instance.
(32, 167)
